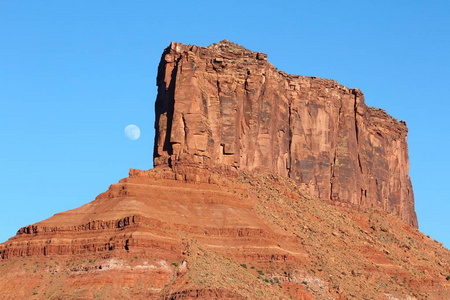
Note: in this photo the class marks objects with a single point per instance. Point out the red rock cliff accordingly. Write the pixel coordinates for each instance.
(224, 105)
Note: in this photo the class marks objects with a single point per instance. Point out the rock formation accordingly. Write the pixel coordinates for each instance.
(231, 210)
(155, 235)
(225, 105)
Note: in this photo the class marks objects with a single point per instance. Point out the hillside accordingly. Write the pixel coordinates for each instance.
(255, 236)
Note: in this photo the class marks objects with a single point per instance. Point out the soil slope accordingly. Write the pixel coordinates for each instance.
(152, 236)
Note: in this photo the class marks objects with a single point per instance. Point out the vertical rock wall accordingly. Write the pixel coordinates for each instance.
(225, 105)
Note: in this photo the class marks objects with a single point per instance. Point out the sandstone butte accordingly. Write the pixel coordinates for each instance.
(265, 186)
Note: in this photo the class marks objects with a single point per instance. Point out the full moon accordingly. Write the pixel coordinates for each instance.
(132, 132)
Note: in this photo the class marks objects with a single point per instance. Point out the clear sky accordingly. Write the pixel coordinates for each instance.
(73, 74)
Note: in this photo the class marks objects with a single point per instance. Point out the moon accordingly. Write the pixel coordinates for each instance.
(132, 132)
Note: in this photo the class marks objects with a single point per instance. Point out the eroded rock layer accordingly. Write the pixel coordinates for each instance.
(156, 235)
(224, 105)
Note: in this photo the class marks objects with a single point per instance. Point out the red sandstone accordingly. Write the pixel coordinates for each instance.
(226, 105)
(266, 186)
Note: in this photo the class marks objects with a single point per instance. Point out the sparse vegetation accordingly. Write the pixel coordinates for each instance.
(312, 223)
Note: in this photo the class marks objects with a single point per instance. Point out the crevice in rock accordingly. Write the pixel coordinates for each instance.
(333, 165)
(291, 130)
(363, 196)
(359, 163)
(355, 108)
(185, 129)
(218, 87)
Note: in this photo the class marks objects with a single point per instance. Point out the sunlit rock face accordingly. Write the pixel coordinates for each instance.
(230, 210)
(226, 106)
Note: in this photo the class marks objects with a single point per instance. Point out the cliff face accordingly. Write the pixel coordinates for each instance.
(225, 106)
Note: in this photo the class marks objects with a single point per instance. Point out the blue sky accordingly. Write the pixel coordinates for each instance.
(73, 74)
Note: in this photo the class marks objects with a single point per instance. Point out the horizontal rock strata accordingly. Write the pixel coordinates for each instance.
(161, 235)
